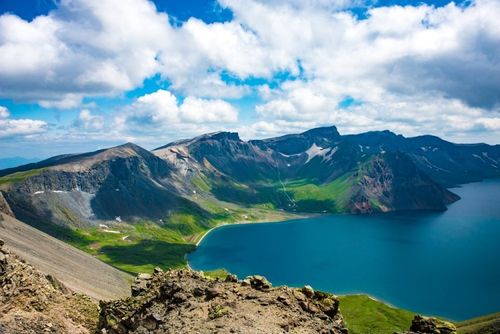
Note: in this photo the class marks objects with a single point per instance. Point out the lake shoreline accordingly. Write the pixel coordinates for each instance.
(264, 221)
(333, 252)
(244, 222)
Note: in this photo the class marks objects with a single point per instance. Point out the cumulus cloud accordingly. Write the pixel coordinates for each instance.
(449, 50)
(161, 113)
(88, 121)
(4, 112)
(83, 48)
(19, 127)
(410, 115)
(411, 68)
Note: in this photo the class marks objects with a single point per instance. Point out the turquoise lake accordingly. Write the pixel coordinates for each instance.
(445, 264)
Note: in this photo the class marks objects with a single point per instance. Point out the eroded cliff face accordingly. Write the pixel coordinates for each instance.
(4, 206)
(187, 302)
(126, 181)
(392, 182)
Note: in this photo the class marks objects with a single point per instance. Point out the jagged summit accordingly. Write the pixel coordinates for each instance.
(299, 143)
(219, 135)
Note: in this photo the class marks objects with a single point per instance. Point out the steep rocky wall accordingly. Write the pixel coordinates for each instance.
(4, 206)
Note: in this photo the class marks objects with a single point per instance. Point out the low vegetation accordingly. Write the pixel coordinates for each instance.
(489, 324)
(365, 315)
(330, 197)
(143, 245)
(19, 176)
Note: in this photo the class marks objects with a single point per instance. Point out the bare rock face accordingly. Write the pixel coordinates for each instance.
(33, 302)
(4, 207)
(183, 301)
(428, 325)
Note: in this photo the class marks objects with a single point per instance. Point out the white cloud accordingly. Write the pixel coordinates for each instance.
(450, 50)
(161, 114)
(19, 127)
(413, 67)
(83, 48)
(4, 112)
(88, 121)
(422, 114)
(197, 110)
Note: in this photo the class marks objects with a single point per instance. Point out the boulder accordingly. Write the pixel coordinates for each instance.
(211, 293)
(259, 282)
(140, 284)
(231, 278)
(428, 325)
(308, 291)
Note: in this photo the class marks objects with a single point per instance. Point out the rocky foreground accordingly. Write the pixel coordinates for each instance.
(188, 302)
(34, 302)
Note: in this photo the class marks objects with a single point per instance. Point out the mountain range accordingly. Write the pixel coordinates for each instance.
(188, 186)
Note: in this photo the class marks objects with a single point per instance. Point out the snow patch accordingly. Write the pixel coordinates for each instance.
(289, 155)
(478, 157)
(330, 154)
(112, 231)
(316, 151)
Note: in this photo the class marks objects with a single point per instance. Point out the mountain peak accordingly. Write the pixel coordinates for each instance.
(224, 135)
(326, 131)
(127, 146)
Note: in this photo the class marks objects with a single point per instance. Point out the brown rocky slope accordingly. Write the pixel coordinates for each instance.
(32, 302)
(184, 301)
(78, 270)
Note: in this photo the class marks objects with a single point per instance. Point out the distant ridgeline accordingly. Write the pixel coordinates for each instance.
(316, 171)
(188, 186)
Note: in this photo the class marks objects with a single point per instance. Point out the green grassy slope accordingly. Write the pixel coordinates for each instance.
(19, 176)
(143, 245)
(489, 324)
(331, 197)
(131, 248)
(364, 315)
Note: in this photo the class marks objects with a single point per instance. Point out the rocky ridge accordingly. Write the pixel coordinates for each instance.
(33, 302)
(184, 301)
(429, 325)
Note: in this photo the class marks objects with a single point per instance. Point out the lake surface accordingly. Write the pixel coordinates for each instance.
(445, 264)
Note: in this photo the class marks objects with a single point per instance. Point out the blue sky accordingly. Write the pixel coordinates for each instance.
(77, 75)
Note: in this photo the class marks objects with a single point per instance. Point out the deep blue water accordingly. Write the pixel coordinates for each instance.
(445, 264)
